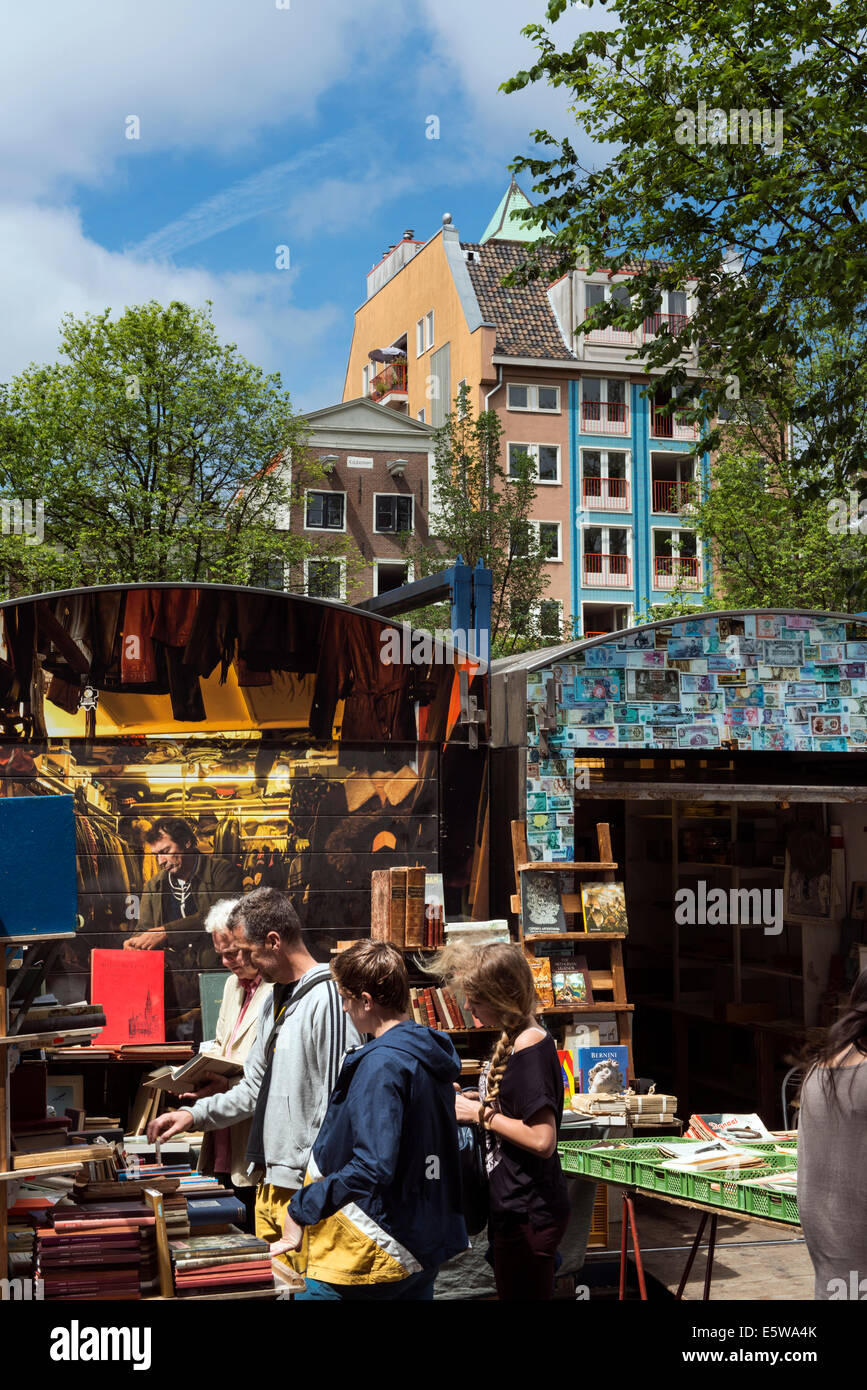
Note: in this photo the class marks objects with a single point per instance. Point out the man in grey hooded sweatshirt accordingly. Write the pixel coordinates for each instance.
(290, 1073)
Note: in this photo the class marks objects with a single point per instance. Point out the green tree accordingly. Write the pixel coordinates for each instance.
(733, 154)
(154, 449)
(479, 512)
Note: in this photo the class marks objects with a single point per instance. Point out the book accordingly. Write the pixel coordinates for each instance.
(542, 904)
(130, 985)
(540, 967)
(434, 910)
(567, 1067)
(380, 905)
(570, 980)
(212, 983)
(582, 1035)
(602, 1069)
(414, 935)
(178, 1080)
(734, 1129)
(603, 907)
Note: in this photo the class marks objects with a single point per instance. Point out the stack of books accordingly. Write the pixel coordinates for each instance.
(397, 906)
(102, 1251)
(733, 1129)
(228, 1263)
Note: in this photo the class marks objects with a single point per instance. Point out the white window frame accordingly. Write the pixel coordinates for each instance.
(606, 530)
(533, 406)
(550, 559)
(384, 560)
(420, 415)
(419, 337)
(604, 475)
(326, 530)
(429, 329)
(365, 380)
(533, 451)
(674, 551)
(326, 559)
(537, 615)
(596, 603)
(409, 497)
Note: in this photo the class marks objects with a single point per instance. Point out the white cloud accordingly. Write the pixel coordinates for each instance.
(209, 74)
(50, 268)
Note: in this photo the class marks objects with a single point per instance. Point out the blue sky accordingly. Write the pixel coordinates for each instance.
(259, 127)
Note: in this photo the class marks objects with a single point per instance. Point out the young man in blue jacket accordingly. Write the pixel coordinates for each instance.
(380, 1210)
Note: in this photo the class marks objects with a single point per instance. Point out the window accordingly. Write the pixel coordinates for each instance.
(325, 511)
(672, 315)
(603, 405)
(419, 338)
(390, 574)
(550, 621)
(420, 416)
(549, 539)
(605, 479)
(392, 513)
(545, 456)
(429, 329)
(365, 381)
(606, 556)
(596, 295)
(540, 398)
(269, 574)
(325, 578)
(676, 561)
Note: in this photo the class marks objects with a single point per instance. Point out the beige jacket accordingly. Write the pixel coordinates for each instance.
(233, 999)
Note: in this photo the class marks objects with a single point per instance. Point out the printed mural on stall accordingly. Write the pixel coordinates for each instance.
(351, 781)
(759, 682)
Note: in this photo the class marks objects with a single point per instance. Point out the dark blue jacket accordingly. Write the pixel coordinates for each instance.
(382, 1195)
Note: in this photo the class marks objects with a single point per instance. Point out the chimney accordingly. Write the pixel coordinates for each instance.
(409, 234)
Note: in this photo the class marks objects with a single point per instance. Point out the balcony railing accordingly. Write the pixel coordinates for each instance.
(392, 378)
(605, 494)
(673, 571)
(604, 417)
(674, 323)
(670, 495)
(611, 337)
(672, 426)
(606, 571)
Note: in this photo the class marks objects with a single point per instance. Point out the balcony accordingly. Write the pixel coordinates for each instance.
(671, 496)
(676, 572)
(605, 494)
(672, 426)
(604, 417)
(390, 384)
(606, 571)
(672, 323)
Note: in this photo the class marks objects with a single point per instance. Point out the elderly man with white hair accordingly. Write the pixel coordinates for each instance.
(223, 1150)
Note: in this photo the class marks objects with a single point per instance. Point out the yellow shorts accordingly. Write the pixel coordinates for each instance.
(271, 1205)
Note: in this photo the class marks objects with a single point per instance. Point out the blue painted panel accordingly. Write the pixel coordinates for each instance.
(38, 893)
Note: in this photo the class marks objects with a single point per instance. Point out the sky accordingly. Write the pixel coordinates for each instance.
(167, 150)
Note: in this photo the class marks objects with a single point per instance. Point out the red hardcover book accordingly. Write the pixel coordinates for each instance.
(132, 1225)
(427, 995)
(129, 987)
(452, 1006)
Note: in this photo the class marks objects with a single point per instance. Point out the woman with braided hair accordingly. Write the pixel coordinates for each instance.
(520, 1105)
(832, 1154)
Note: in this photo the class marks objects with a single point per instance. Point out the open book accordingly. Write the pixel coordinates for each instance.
(179, 1080)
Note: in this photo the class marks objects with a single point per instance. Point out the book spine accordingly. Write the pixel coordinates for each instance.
(380, 905)
(399, 933)
(439, 1004)
(415, 919)
(430, 1011)
(252, 1258)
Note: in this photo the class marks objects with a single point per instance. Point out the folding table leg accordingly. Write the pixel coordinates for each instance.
(711, 1245)
(623, 1219)
(692, 1254)
(642, 1287)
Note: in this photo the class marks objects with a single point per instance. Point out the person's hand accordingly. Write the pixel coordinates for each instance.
(211, 1085)
(149, 940)
(167, 1126)
(293, 1235)
(466, 1109)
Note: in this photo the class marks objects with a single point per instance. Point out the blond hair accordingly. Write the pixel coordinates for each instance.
(499, 977)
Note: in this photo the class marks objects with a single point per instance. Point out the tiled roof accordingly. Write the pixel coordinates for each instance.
(525, 322)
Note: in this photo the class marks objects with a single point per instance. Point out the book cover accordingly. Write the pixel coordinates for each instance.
(603, 906)
(541, 904)
(129, 986)
(567, 1066)
(211, 986)
(570, 980)
(380, 905)
(540, 967)
(602, 1069)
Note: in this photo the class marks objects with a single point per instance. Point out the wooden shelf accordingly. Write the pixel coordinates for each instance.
(40, 1039)
(564, 867)
(603, 1007)
(576, 936)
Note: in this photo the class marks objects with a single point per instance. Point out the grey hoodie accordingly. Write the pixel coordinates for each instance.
(311, 1045)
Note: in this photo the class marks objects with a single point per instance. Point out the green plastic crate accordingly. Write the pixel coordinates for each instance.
(585, 1156)
(774, 1206)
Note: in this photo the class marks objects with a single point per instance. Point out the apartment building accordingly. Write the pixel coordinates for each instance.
(614, 468)
(374, 491)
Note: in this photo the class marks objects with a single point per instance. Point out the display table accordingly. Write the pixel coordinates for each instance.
(708, 1212)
